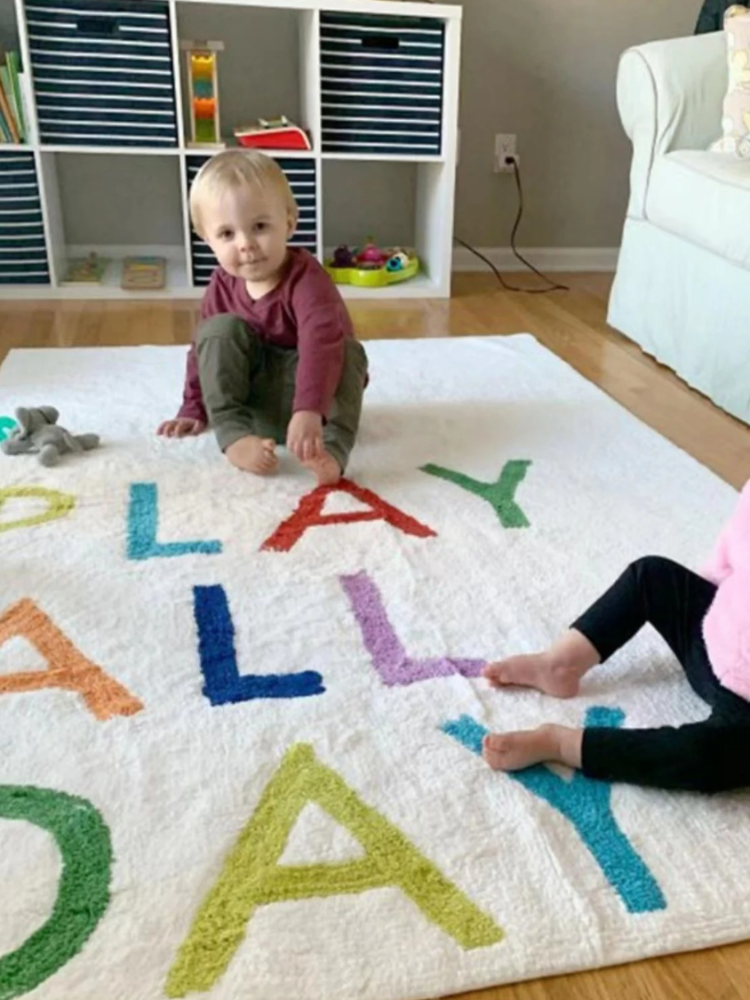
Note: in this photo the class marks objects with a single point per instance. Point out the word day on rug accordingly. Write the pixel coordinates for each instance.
(240, 717)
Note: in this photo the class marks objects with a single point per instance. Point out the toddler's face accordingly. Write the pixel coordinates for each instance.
(248, 229)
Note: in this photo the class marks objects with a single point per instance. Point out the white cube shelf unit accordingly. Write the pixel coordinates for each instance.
(375, 81)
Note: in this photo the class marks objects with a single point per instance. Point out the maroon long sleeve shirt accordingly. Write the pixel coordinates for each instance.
(305, 312)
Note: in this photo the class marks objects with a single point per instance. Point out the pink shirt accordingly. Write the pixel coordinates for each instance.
(305, 312)
(726, 627)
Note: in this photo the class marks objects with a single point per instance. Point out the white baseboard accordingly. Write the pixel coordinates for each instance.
(545, 258)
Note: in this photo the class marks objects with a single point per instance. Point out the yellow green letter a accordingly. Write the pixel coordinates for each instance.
(252, 877)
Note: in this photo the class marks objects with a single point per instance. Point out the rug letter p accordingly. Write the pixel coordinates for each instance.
(58, 505)
(252, 876)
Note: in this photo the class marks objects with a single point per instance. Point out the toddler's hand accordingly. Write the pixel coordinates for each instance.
(181, 427)
(304, 436)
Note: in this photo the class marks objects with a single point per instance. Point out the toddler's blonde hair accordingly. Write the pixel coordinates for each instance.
(233, 169)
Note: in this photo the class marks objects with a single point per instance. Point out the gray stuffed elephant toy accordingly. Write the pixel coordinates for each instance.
(37, 432)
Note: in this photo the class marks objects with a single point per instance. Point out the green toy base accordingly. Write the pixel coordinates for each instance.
(376, 278)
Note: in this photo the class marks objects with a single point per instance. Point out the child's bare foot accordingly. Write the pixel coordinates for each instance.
(253, 454)
(556, 671)
(547, 744)
(537, 670)
(325, 468)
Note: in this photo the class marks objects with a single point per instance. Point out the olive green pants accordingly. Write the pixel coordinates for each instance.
(248, 387)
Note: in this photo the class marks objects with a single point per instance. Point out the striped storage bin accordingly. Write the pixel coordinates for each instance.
(23, 252)
(381, 83)
(202, 260)
(300, 172)
(302, 179)
(102, 72)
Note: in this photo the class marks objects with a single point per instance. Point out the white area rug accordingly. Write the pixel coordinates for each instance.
(269, 790)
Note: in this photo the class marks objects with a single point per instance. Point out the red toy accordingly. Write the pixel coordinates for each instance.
(277, 133)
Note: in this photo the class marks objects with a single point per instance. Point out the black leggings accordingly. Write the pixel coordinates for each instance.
(710, 756)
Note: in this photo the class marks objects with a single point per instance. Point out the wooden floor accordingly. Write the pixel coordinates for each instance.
(572, 324)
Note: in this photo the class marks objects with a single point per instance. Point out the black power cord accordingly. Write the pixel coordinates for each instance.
(553, 285)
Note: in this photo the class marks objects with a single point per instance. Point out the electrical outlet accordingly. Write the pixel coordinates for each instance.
(506, 147)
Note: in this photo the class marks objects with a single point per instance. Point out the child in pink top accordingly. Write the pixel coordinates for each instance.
(706, 622)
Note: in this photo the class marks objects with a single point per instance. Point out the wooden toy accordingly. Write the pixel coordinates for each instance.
(275, 133)
(85, 270)
(203, 84)
(144, 273)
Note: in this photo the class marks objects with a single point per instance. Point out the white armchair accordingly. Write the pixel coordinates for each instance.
(682, 289)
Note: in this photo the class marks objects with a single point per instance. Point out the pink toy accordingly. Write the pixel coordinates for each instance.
(372, 254)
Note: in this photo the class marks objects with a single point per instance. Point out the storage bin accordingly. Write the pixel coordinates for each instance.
(103, 72)
(381, 84)
(23, 251)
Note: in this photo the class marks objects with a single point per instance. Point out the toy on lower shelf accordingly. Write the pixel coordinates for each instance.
(86, 270)
(372, 266)
(273, 133)
(140, 274)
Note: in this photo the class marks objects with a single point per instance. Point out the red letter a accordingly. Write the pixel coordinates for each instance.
(308, 515)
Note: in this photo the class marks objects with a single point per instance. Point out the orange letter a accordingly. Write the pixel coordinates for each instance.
(68, 668)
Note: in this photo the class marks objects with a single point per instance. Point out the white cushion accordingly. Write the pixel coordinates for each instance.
(705, 198)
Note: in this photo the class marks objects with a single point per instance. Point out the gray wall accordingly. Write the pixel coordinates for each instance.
(128, 200)
(369, 199)
(545, 71)
(8, 38)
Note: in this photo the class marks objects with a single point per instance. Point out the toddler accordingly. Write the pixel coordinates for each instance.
(706, 621)
(274, 359)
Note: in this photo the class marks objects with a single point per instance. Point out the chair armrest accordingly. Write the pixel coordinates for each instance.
(670, 96)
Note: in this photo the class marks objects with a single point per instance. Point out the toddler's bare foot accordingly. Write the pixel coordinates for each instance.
(325, 469)
(253, 454)
(547, 744)
(556, 671)
(537, 670)
(515, 751)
